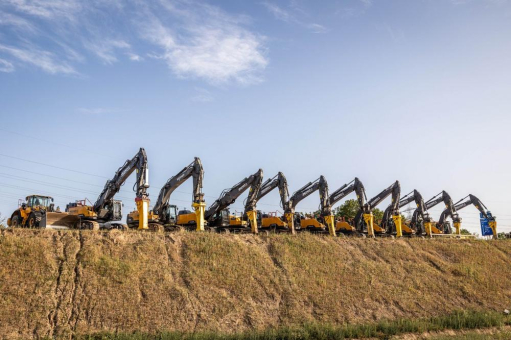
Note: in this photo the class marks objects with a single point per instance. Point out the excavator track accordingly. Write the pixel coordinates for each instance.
(89, 225)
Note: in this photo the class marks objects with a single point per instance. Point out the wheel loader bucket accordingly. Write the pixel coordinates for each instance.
(59, 220)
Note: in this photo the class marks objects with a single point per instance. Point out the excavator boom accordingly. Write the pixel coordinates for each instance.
(194, 169)
(228, 196)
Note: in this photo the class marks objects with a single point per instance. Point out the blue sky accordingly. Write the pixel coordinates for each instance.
(417, 91)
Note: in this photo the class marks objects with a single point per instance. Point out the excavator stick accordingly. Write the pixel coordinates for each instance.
(143, 209)
(252, 218)
(290, 222)
(369, 219)
(397, 223)
(330, 222)
(199, 214)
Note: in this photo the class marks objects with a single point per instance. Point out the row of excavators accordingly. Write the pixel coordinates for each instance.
(38, 211)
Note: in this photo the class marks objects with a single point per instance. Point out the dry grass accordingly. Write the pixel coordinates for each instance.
(69, 282)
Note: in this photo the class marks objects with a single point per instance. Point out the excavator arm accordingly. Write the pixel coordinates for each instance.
(228, 196)
(278, 181)
(325, 206)
(392, 210)
(450, 210)
(366, 217)
(355, 185)
(194, 170)
(464, 202)
(104, 203)
(419, 214)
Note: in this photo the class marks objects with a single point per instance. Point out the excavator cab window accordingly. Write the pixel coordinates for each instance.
(171, 214)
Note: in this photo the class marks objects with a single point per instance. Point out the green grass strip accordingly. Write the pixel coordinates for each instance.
(459, 320)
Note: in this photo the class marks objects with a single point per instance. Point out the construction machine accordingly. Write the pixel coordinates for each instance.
(218, 215)
(325, 208)
(268, 221)
(38, 211)
(106, 212)
(420, 221)
(165, 214)
(464, 202)
(364, 219)
(356, 186)
(442, 226)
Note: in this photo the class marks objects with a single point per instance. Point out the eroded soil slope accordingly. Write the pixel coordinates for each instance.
(57, 283)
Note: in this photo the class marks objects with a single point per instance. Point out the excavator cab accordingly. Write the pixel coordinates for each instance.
(221, 219)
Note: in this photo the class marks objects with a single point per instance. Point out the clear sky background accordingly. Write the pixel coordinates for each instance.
(418, 91)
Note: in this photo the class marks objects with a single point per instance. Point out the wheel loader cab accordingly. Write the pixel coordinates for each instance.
(37, 202)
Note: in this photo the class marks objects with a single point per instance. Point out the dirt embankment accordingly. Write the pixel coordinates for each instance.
(61, 283)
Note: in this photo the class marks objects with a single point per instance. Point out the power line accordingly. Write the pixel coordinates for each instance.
(53, 166)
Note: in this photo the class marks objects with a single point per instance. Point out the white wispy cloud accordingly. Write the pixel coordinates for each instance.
(94, 110)
(287, 16)
(134, 57)
(105, 49)
(6, 66)
(46, 8)
(278, 12)
(43, 59)
(202, 95)
(212, 45)
(367, 3)
(195, 39)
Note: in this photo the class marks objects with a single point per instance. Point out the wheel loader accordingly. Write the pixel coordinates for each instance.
(38, 211)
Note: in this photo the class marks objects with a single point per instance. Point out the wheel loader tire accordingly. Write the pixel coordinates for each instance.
(16, 221)
(31, 221)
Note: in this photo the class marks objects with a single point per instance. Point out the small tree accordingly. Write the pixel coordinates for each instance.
(465, 232)
(378, 215)
(348, 209)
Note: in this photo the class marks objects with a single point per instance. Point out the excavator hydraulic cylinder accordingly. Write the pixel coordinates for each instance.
(330, 223)
(397, 223)
(493, 226)
(143, 209)
(252, 218)
(457, 226)
(427, 226)
(290, 222)
(199, 215)
(369, 219)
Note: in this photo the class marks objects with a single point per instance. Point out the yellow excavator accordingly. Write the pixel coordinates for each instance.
(420, 222)
(38, 211)
(295, 221)
(272, 220)
(106, 213)
(165, 214)
(356, 186)
(364, 219)
(218, 215)
(464, 202)
(441, 227)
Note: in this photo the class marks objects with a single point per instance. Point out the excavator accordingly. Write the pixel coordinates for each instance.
(218, 216)
(420, 222)
(442, 226)
(364, 220)
(165, 214)
(272, 221)
(464, 202)
(357, 186)
(325, 208)
(106, 213)
(38, 211)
